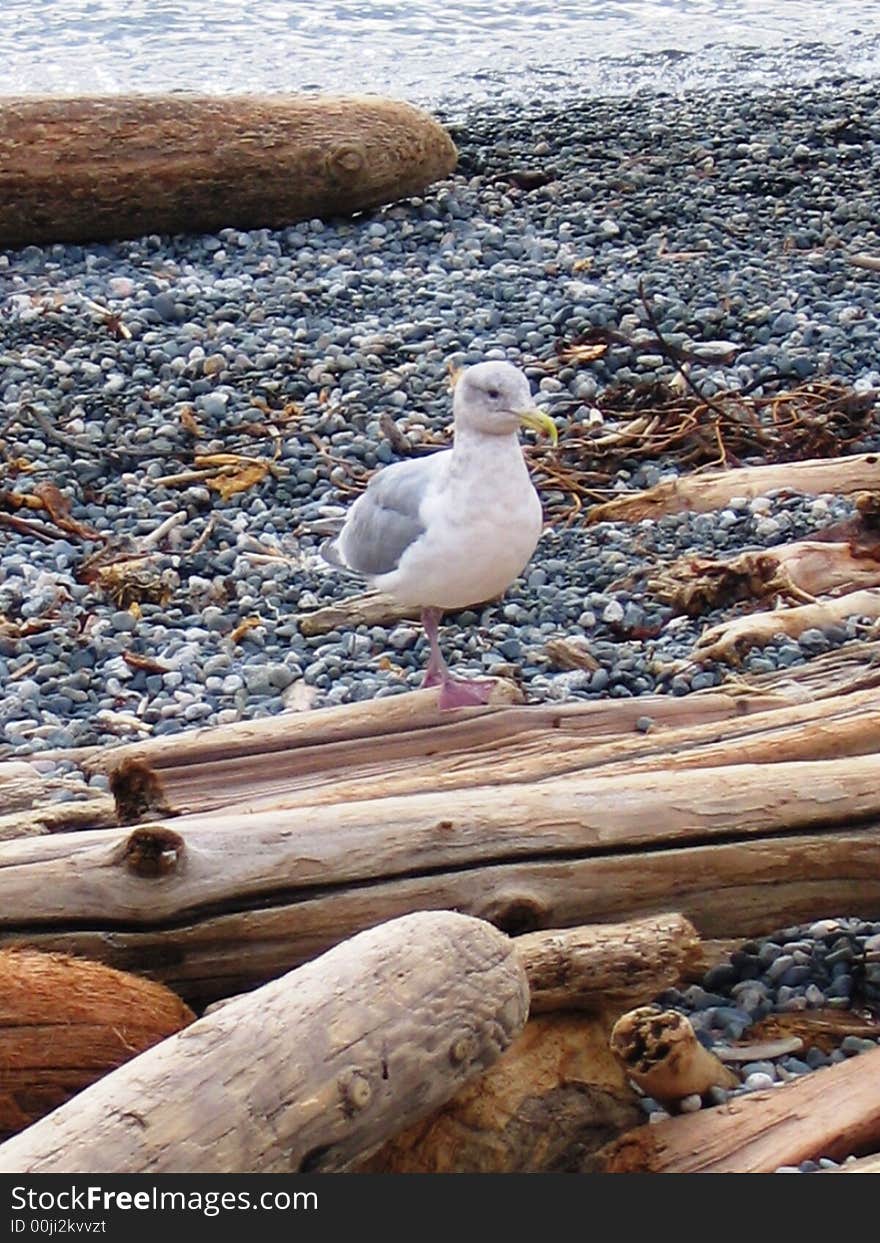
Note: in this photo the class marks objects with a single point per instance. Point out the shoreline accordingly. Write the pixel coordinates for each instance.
(739, 213)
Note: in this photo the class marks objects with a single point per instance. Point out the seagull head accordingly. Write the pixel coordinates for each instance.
(495, 399)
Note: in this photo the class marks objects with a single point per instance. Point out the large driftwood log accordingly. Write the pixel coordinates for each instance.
(342, 773)
(166, 871)
(606, 967)
(547, 1106)
(661, 1054)
(350, 1049)
(713, 490)
(831, 1113)
(65, 1022)
(251, 770)
(109, 167)
(247, 933)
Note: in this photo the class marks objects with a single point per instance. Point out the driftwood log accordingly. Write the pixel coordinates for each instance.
(442, 759)
(799, 571)
(214, 904)
(310, 1073)
(65, 1022)
(729, 640)
(606, 967)
(715, 489)
(661, 1054)
(558, 1094)
(112, 167)
(832, 1113)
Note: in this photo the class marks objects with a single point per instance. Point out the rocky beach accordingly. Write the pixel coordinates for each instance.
(316, 354)
(201, 409)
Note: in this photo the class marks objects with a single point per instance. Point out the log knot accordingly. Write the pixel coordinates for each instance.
(463, 1048)
(152, 850)
(345, 159)
(355, 1089)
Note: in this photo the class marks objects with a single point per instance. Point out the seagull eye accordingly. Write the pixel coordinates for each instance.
(493, 393)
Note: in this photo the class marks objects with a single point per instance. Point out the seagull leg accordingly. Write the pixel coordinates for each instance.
(436, 672)
(454, 692)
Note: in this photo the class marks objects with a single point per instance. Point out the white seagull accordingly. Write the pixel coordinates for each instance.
(455, 528)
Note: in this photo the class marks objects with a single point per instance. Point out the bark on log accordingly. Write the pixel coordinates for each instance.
(830, 1113)
(112, 167)
(703, 493)
(546, 1106)
(662, 1055)
(65, 1022)
(606, 967)
(729, 641)
(383, 1029)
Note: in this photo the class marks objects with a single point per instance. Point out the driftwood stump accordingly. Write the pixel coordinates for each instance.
(547, 1106)
(110, 167)
(309, 1073)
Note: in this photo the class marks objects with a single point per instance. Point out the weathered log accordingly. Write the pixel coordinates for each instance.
(248, 930)
(729, 641)
(832, 1113)
(368, 1039)
(455, 757)
(660, 1052)
(120, 166)
(415, 712)
(714, 490)
(65, 1022)
(547, 1105)
(606, 967)
(167, 870)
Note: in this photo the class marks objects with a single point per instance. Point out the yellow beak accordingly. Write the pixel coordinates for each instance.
(538, 421)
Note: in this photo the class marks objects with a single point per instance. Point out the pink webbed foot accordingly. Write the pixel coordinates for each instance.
(461, 693)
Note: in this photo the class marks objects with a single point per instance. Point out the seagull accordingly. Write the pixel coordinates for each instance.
(455, 528)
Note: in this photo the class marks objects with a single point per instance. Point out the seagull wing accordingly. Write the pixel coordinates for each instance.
(386, 520)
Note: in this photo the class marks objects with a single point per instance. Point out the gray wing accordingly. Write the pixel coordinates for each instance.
(383, 522)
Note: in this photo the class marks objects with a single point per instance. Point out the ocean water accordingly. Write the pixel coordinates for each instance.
(432, 52)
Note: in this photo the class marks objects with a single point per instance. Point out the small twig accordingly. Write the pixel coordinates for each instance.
(153, 537)
(199, 543)
(80, 445)
(27, 526)
(670, 354)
